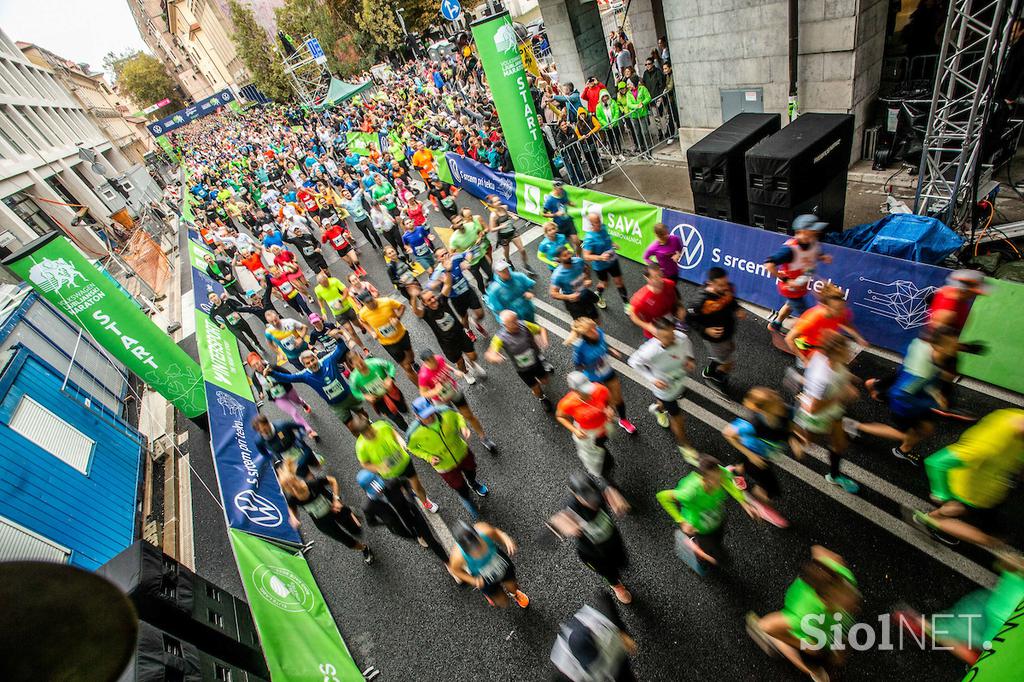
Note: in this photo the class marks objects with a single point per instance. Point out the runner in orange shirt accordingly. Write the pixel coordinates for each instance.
(585, 412)
(423, 160)
(830, 315)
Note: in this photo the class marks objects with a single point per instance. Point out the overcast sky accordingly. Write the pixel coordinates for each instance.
(79, 30)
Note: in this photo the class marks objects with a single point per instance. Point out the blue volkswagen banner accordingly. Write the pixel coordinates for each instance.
(480, 180)
(253, 500)
(189, 114)
(888, 297)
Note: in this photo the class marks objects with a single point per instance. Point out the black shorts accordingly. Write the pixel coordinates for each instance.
(325, 213)
(493, 588)
(612, 270)
(316, 262)
(911, 420)
(507, 237)
(452, 347)
(987, 519)
(584, 306)
(671, 407)
(409, 471)
(344, 251)
(712, 542)
(568, 229)
(465, 302)
(347, 316)
(532, 375)
(762, 478)
(398, 349)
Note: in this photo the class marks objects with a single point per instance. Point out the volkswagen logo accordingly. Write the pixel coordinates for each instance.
(456, 173)
(157, 128)
(258, 509)
(693, 246)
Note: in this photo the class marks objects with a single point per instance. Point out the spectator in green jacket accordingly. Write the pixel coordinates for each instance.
(608, 116)
(638, 100)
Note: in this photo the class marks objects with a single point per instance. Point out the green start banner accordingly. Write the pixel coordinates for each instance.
(630, 223)
(65, 278)
(165, 144)
(1002, 661)
(990, 319)
(299, 637)
(499, 54)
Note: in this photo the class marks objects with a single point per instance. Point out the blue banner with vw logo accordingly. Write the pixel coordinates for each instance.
(481, 180)
(888, 297)
(188, 114)
(252, 498)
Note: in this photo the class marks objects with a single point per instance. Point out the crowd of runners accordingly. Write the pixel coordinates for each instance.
(274, 187)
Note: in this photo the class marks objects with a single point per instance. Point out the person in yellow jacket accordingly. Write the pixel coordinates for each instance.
(586, 128)
(439, 436)
(971, 479)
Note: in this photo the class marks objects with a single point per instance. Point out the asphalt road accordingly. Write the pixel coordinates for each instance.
(405, 616)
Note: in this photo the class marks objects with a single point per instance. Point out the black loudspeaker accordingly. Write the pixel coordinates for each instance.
(801, 169)
(717, 167)
(170, 597)
(162, 657)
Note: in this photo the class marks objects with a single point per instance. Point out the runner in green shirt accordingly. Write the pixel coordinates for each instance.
(470, 235)
(383, 193)
(697, 504)
(374, 380)
(381, 450)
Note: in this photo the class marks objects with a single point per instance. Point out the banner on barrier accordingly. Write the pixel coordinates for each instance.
(630, 223)
(185, 116)
(298, 634)
(497, 46)
(94, 301)
(888, 297)
(480, 180)
(991, 317)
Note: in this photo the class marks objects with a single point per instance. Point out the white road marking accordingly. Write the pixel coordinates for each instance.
(897, 527)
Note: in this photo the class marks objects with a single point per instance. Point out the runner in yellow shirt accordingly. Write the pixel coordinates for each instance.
(332, 294)
(382, 317)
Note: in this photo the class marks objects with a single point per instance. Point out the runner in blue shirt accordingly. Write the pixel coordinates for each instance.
(570, 284)
(549, 245)
(599, 251)
(590, 355)
(326, 378)
(419, 243)
(556, 208)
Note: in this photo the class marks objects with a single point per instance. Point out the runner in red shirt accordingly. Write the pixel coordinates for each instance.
(341, 239)
(308, 202)
(282, 255)
(290, 286)
(952, 303)
(656, 298)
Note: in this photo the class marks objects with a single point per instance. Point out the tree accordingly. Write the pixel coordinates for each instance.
(143, 79)
(348, 52)
(378, 21)
(259, 56)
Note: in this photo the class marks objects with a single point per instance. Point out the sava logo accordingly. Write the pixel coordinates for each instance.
(283, 589)
(693, 246)
(258, 509)
(619, 226)
(531, 199)
(53, 275)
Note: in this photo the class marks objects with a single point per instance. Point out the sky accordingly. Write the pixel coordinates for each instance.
(79, 30)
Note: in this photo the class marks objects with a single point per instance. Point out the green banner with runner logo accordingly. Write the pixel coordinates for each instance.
(362, 143)
(630, 223)
(497, 46)
(165, 144)
(300, 639)
(65, 278)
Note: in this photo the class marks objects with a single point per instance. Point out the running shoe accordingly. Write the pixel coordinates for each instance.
(844, 482)
(430, 506)
(546, 403)
(481, 490)
(471, 336)
(923, 522)
(769, 513)
(689, 454)
(470, 379)
(489, 445)
(481, 373)
(521, 599)
(548, 367)
(307, 408)
(529, 271)
(906, 456)
(480, 328)
(659, 414)
(737, 479)
(706, 373)
(851, 427)
(367, 556)
(314, 435)
(601, 303)
(622, 594)
(775, 326)
(627, 426)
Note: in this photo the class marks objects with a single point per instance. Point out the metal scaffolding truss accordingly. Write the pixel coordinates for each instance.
(310, 80)
(973, 47)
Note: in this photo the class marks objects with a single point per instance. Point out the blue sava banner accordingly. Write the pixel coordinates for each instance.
(480, 180)
(888, 297)
(189, 114)
(253, 500)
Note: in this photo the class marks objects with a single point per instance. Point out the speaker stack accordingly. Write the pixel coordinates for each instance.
(189, 628)
(800, 169)
(716, 164)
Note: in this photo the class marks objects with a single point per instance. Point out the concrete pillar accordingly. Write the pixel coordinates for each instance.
(83, 236)
(577, 40)
(642, 29)
(85, 194)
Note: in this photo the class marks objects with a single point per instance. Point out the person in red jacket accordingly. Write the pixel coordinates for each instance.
(307, 199)
(591, 94)
(341, 239)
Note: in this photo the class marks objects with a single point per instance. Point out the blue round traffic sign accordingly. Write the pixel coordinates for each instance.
(451, 9)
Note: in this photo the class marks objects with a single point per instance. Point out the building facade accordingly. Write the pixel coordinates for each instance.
(193, 40)
(70, 458)
(43, 132)
(105, 107)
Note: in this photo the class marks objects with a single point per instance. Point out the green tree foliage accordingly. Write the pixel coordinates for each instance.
(258, 54)
(143, 79)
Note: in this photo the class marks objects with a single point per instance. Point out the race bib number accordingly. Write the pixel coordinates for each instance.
(421, 249)
(710, 518)
(601, 367)
(387, 330)
(276, 391)
(234, 318)
(447, 202)
(318, 507)
(288, 343)
(525, 359)
(308, 250)
(375, 387)
(339, 241)
(286, 288)
(259, 274)
(460, 286)
(445, 323)
(292, 454)
(334, 389)
(337, 305)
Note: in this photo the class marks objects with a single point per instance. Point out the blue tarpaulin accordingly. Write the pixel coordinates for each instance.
(902, 235)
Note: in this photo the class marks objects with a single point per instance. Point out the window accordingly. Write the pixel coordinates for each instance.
(53, 434)
(29, 211)
(20, 544)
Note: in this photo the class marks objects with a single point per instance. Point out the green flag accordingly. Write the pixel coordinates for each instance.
(299, 637)
(65, 278)
(499, 54)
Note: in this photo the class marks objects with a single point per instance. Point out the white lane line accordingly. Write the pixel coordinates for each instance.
(901, 530)
(441, 531)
